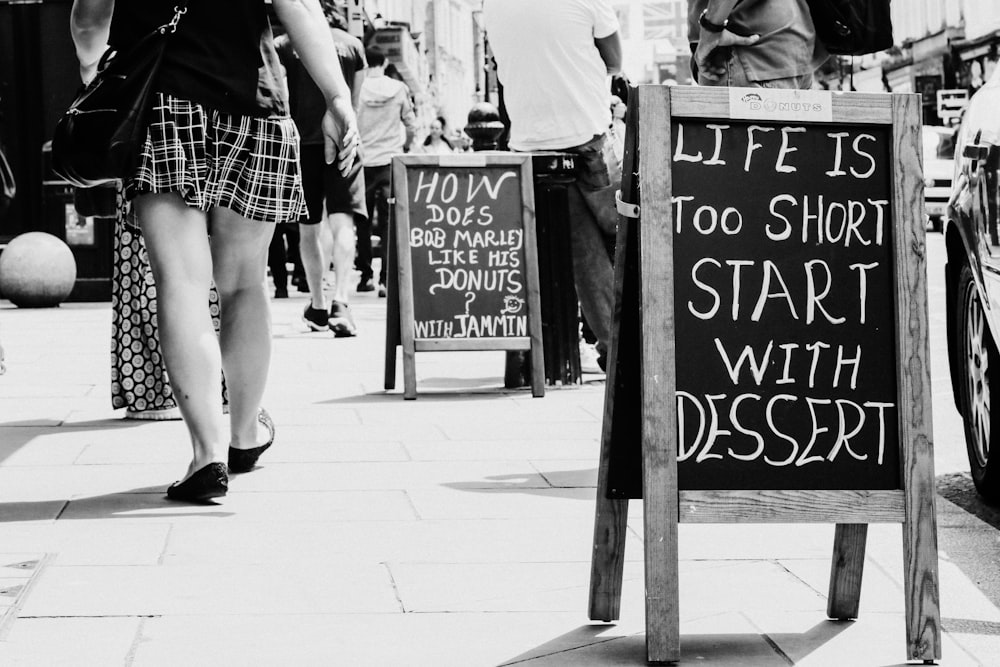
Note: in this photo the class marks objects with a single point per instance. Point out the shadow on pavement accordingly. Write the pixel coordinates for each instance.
(959, 489)
(16, 434)
(970, 626)
(437, 396)
(597, 645)
(565, 485)
(149, 502)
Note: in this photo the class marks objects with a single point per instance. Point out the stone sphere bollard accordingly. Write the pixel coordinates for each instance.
(37, 270)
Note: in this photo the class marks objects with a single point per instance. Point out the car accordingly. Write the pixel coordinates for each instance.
(972, 282)
(939, 152)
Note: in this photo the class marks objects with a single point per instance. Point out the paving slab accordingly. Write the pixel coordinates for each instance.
(97, 542)
(494, 450)
(228, 588)
(290, 449)
(453, 503)
(522, 432)
(69, 642)
(425, 541)
(438, 640)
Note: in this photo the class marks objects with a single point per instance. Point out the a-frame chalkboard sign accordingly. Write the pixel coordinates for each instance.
(463, 260)
(769, 358)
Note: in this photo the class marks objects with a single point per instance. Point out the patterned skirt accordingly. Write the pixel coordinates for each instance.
(247, 164)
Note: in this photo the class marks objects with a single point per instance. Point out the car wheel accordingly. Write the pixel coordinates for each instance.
(979, 364)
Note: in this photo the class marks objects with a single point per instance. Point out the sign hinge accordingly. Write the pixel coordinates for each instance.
(625, 208)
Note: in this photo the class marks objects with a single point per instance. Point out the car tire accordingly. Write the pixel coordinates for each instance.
(979, 369)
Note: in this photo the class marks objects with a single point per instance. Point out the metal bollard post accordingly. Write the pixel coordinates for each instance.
(553, 174)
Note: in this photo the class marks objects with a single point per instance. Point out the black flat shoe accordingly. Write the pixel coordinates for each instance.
(244, 460)
(209, 482)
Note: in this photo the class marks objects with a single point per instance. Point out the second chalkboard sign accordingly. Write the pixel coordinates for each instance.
(466, 255)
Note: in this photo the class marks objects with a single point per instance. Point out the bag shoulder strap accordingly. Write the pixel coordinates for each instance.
(168, 28)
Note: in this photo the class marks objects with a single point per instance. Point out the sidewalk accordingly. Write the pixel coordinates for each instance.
(450, 530)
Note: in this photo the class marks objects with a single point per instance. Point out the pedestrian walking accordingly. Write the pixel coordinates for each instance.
(554, 59)
(387, 125)
(284, 250)
(139, 381)
(755, 43)
(342, 197)
(207, 207)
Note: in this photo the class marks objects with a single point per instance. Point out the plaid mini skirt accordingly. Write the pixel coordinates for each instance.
(247, 164)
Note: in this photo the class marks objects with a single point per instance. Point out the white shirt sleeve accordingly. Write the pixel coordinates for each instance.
(605, 19)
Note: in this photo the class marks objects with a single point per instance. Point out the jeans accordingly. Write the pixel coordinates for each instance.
(593, 223)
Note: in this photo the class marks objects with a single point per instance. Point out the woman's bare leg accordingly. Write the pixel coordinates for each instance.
(239, 258)
(176, 239)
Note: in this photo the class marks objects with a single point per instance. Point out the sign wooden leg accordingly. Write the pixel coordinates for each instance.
(409, 373)
(392, 318)
(920, 557)
(537, 369)
(391, 343)
(655, 255)
(608, 558)
(845, 574)
(663, 641)
(923, 628)
(621, 427)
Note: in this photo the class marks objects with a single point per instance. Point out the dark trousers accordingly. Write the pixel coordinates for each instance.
(284, 248)
(377, 190)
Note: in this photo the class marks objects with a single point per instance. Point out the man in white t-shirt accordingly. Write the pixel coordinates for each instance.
(554, 59)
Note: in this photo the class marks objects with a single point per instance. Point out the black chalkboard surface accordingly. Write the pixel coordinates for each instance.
(467, 258)
(784, 306)
(466, 243)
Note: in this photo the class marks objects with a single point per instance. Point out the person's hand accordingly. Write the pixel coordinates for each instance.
(710, 58)
(618, 108)
(340, 134)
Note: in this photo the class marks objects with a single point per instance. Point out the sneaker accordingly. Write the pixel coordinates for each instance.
(381, 290)
(315, 318)
(341, 322)
(589, 359)
(366, 285)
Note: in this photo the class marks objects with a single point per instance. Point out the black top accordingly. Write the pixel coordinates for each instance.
(307, 101)
(214, 56)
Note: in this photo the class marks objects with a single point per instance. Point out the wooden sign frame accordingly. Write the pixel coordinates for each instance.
(640, 417)
(400, 308)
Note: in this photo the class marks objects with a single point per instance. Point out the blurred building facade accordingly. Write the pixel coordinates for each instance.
(438, 48)
(949, 45)
(654, 38)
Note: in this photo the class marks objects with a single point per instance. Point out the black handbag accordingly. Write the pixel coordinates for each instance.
(99, 137)
(852, 27)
